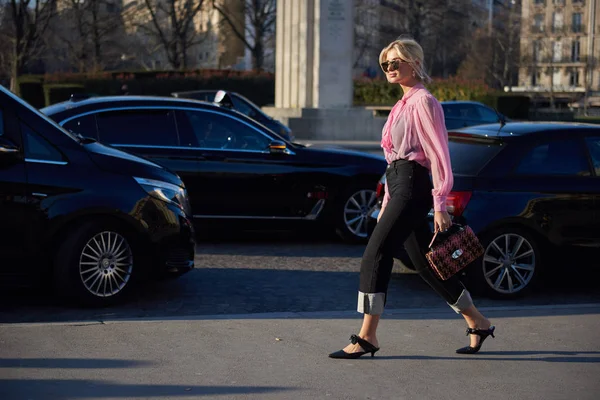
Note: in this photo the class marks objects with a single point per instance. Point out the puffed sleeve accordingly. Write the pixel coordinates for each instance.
(431, 130)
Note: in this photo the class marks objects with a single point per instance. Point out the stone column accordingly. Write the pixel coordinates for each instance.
(314, 53)
(313, 72)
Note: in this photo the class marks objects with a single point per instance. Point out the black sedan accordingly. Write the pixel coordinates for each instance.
(463, 113)
(234, 168)
(526, 189)
(239, 103)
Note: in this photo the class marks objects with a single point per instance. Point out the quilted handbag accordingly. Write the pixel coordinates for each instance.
(451, 251)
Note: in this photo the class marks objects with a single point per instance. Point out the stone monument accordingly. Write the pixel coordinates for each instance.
(314, 58)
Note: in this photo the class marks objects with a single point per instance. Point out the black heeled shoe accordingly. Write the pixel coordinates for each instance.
(368, 347)
(482, 333)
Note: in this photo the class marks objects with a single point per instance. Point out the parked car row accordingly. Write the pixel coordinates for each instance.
(526, 189)
(96, 193)
(86, 218)
(235, 169)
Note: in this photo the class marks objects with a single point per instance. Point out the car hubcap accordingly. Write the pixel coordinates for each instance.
(105, 264)
(356, 211)
(509, 263)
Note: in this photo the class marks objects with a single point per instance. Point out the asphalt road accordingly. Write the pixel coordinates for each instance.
(265, 273)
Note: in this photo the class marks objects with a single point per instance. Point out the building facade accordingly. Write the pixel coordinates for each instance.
(559, 49)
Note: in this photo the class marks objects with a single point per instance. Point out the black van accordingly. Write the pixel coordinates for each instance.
(86, 217)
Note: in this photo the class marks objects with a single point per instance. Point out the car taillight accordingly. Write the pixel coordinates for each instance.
(456, 202)
(380, 187)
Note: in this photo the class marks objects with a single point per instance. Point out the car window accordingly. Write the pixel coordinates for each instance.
(148, 127)
(1, 123)
(217, 131)
(469, 157)
(86, 126)
(460, 111)
(243, 107)
(37, 148)
(487, 114)
(593, 145)
(558, 157)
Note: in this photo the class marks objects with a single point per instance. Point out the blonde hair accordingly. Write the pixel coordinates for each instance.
(409, 50)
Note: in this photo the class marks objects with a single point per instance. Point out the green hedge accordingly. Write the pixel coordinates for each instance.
(380, 92)
(258, 87)
(48, 89)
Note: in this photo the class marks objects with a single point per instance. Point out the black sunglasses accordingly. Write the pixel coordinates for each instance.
(392, 65)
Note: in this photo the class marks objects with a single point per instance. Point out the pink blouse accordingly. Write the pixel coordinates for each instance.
(415, 130)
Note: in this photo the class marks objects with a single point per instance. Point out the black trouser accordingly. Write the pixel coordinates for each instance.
(404, 221)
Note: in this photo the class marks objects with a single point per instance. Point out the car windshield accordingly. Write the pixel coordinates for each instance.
(37, 112)
(469, 157)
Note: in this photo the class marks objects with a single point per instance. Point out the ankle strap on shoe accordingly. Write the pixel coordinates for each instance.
(480, 332)
(362, 342)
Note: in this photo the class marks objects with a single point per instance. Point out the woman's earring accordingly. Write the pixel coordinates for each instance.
(414, 74)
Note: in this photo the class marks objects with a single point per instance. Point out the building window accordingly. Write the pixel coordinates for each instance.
(557, 21)
(535, 78)
(538, 23)
(537, 46)
(540, 1)
(574, 79)
(575, 46)
(577, 22)
(557, 51)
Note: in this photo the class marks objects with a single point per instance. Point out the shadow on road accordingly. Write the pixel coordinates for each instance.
(70, 363)
(59, 389)
(526, 356)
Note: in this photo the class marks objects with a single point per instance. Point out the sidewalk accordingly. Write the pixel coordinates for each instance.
(539, 352)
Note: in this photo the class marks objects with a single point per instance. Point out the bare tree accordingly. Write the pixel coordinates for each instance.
(442, 28)
(86, 34)
(5, 48)
(105, 26)
(70, 31)
(170, 23)
(365, 36)
(493, 55)
(261, 15)
(29, 20)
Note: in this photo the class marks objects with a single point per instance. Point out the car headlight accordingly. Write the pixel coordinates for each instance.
(165, 191)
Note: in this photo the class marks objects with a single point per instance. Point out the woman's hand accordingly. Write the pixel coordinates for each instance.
(441, 221)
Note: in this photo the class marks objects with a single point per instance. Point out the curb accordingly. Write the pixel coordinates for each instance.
(299, 315)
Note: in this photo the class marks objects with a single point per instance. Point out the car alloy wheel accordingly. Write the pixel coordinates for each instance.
(106, 264)
(509, 263)
(356, 211)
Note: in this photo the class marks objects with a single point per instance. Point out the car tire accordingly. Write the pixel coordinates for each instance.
(352, 212)
(95, 263)
(511, 264)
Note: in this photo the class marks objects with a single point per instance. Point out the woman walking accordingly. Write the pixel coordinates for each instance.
(415, 142)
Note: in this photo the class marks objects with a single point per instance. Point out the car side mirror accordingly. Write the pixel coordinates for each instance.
(277, 146)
